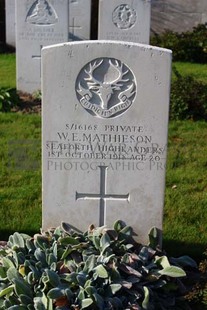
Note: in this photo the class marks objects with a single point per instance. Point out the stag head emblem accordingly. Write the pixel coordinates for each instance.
(104, 83)
(113, 79)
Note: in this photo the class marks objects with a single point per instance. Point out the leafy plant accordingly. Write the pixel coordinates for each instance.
(188, 98)
(37, 95)
(100, 269)
(8, 99)
(186, 46)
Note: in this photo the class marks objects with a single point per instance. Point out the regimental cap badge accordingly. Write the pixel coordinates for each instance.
(42, 13)
(124, 17)
(106, 87)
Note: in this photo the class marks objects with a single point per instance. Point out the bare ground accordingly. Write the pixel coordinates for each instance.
(27, 104)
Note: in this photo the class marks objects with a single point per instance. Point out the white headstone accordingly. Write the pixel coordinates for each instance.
(105, 120)
(10, 23)
(127, 20)
(79, 20)
(38, 23)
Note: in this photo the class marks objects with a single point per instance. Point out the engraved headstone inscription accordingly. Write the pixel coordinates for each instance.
(38, 23)
(10, 23)
(105, 120)
(127, 20)
(79, 20)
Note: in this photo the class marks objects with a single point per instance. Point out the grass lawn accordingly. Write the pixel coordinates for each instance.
(185, 214)
(198, 71)
(8, 70)
(20, 174)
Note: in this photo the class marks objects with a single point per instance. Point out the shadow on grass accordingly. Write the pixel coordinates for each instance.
(176, 248)
(4, 48)
(4, 234)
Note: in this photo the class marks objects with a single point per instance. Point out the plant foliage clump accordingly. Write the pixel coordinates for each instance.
(188, 98)
(190, 46)
(100, 269)
(8, 99)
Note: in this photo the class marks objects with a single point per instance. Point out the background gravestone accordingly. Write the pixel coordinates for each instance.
(105, 119)
(38, 23)
(10, 23)
(79, 19)
(124, 20)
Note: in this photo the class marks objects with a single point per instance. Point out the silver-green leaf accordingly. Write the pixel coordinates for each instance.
(173, 272)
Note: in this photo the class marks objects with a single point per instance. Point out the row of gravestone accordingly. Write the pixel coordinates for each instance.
(80, 20)
(46, 22)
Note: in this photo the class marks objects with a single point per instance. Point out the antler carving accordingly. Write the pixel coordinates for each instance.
(92, 80)
(119, 68)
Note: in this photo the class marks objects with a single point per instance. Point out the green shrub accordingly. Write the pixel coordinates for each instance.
(188, 98)
(188, 46)
(37, 95)
(8, 99)
(100, 269)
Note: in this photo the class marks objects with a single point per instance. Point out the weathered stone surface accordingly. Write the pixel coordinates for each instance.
(105, 119)
(124, 21)
(79, 20)
(39, 23)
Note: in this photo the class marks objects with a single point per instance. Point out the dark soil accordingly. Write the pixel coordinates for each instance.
(27, 104)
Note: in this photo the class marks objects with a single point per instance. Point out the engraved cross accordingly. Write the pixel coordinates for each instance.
(102, 196)
(72, 29)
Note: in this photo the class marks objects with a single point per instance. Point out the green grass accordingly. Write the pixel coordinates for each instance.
(185, 213)
(20, 174)
(198, 71)
(8, 70)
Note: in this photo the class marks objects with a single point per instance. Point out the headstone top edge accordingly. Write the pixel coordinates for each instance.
(107, 42)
